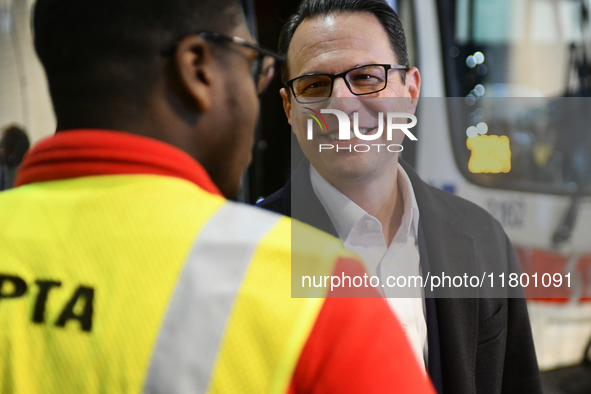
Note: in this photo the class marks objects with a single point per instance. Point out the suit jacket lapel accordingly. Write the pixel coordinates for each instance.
(445, 248)
(305, 206)
(434, 346)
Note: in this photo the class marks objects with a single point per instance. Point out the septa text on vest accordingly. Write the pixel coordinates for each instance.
(79, 307)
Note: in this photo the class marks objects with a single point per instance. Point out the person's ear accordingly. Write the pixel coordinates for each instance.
(413, 86)
(286, 103)
(196, 68)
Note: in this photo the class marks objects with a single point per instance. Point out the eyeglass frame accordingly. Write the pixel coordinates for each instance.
(333, 77)
(213, 36)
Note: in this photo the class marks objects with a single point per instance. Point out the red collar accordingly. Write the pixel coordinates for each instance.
(78, 153)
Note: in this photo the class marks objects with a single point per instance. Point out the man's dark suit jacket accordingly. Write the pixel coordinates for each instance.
(475, 345)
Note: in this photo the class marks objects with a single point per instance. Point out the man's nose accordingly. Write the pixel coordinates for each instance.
(340, 89)
(342, 98)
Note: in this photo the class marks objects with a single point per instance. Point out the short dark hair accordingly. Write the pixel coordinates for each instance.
(108, 51)
(318, 8)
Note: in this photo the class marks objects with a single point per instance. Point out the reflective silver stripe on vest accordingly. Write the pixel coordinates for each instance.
(192, 330)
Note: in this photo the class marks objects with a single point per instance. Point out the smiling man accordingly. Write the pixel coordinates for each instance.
(347, 55)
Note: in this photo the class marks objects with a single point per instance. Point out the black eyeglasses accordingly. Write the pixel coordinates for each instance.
(361, 80)
(262, 69)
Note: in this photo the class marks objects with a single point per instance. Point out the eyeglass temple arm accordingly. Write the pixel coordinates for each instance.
(280, 58)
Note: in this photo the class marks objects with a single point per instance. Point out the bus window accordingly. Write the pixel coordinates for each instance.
(523, 71)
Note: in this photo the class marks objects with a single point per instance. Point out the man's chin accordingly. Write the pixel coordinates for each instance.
(229, 186)
(347, 169)
(231, 194)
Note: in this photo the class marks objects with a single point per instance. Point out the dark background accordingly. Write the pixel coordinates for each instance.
(270, 167)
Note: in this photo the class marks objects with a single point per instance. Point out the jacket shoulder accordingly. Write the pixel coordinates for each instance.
(279, 202)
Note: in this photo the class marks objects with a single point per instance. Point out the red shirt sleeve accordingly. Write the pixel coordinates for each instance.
(357, 346)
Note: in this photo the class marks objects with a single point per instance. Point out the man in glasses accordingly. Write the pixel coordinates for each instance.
(339, 52)
(125, 268)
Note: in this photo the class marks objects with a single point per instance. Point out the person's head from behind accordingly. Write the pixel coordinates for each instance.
(363, 42)
(146, 67)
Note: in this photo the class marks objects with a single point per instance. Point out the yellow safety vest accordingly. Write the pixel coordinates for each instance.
(145, 283)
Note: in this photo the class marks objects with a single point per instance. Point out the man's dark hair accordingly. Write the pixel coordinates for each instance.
(319, 8)
(107, 53)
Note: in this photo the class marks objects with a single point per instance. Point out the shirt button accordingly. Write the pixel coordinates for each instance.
(368, 225)
(404, 327)
(388, 262)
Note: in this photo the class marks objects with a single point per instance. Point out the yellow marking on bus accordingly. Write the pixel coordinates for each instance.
(490, 154)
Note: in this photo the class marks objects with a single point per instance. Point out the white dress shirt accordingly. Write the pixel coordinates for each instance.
(362, 234)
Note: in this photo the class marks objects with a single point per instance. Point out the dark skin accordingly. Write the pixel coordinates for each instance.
(205, 103)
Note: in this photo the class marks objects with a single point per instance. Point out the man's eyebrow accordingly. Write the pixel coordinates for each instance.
(311, 73)
(350, 68)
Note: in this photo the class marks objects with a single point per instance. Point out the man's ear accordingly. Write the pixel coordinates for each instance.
(286, 104)
(413, 86)
(194, 62)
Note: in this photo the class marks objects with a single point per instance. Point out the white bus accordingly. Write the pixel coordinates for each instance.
(523, 70)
